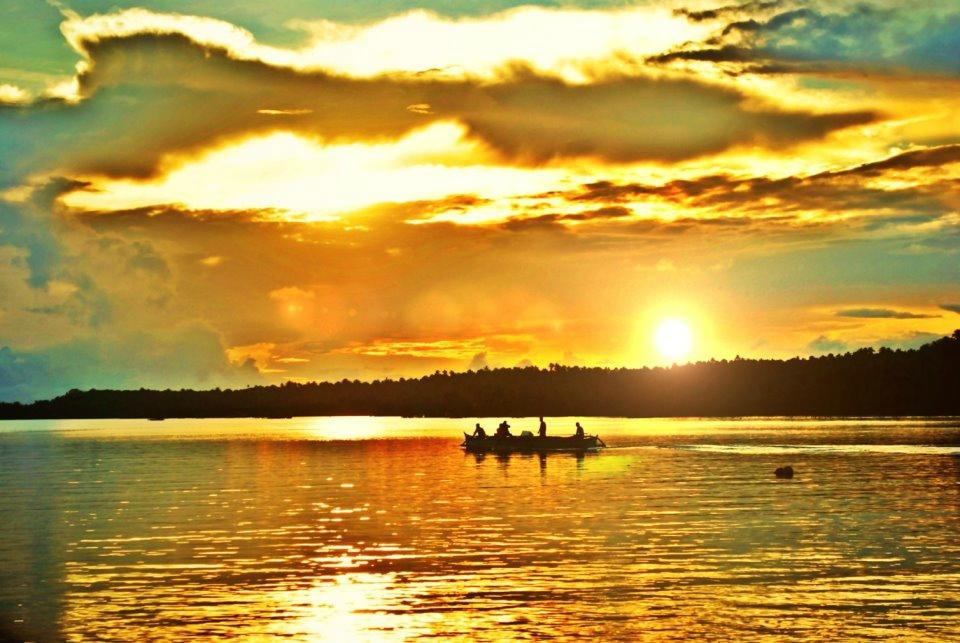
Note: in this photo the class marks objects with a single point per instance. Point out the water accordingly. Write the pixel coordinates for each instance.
(382, 528)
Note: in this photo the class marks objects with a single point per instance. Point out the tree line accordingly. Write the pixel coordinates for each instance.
(922, 381)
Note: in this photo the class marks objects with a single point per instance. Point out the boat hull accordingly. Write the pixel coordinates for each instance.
(529, 444)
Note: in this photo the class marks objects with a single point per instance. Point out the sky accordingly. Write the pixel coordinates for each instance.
(225, 193)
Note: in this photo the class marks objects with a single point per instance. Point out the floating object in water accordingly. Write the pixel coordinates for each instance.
(530, 444)
(784, 472)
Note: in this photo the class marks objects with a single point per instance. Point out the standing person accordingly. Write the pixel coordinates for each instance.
(579, 433)
(543, 428)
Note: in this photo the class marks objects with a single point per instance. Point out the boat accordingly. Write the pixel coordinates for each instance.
(530, 444)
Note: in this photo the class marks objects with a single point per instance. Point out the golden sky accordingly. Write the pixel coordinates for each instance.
(200, 194)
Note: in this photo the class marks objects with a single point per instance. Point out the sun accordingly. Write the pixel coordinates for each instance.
(673, 339)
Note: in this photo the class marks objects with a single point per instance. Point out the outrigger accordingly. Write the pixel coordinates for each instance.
(530, 443)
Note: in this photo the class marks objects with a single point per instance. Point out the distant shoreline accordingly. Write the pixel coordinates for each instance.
(924, 382)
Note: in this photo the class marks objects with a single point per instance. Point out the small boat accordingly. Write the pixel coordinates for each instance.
(530, 444)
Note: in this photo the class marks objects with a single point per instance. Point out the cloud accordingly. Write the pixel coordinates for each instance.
(284, 112)
(881, 313)
(555, 221)
(13, 95)
(554, 41)
(440, 349)
(633, 119)
(190, 356)
(425, 167)
(953, 308)
(726, 11)
(444, 294)
(73, 293)
(727, 53)
(923, 40)
(791, 199)
(179, 97)
(261, 355)
(280, 174)
(824, 344)
(925, 157)
(144, 257)
(32, 224)
(19, 229)
(269, 195)
(608, 212)
(862, 37)
(478, 362)
(906, 341)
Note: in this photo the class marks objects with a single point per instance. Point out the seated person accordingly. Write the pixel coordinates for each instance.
(503, 431)
(479, 432)
(579, 433)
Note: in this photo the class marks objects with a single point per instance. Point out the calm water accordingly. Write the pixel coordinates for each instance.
(382, 528)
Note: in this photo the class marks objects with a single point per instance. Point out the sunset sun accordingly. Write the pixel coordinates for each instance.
(673, 339)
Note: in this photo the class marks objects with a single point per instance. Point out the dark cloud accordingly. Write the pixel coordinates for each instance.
(778, 21)
(828, 191)
(867, 38)
(930, 157)
(555, 221)
(543, 222)
(881, 313)
(609, 212)
(726, 11)
(953, 308)
(726, 53)
(149, 95)
(775, 198)
(633, 119)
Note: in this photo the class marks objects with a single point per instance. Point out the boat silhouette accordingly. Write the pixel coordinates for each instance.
(530, 443)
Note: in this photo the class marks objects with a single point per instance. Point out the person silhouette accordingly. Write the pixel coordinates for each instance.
(579, 432)
(479, 432)
(543, 428)
(503, 431)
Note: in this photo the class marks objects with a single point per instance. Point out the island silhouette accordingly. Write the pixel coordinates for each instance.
(866, 382)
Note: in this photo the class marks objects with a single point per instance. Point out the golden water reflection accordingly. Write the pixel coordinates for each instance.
(126, 534)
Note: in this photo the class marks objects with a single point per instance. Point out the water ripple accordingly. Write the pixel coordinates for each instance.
(673, 533)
